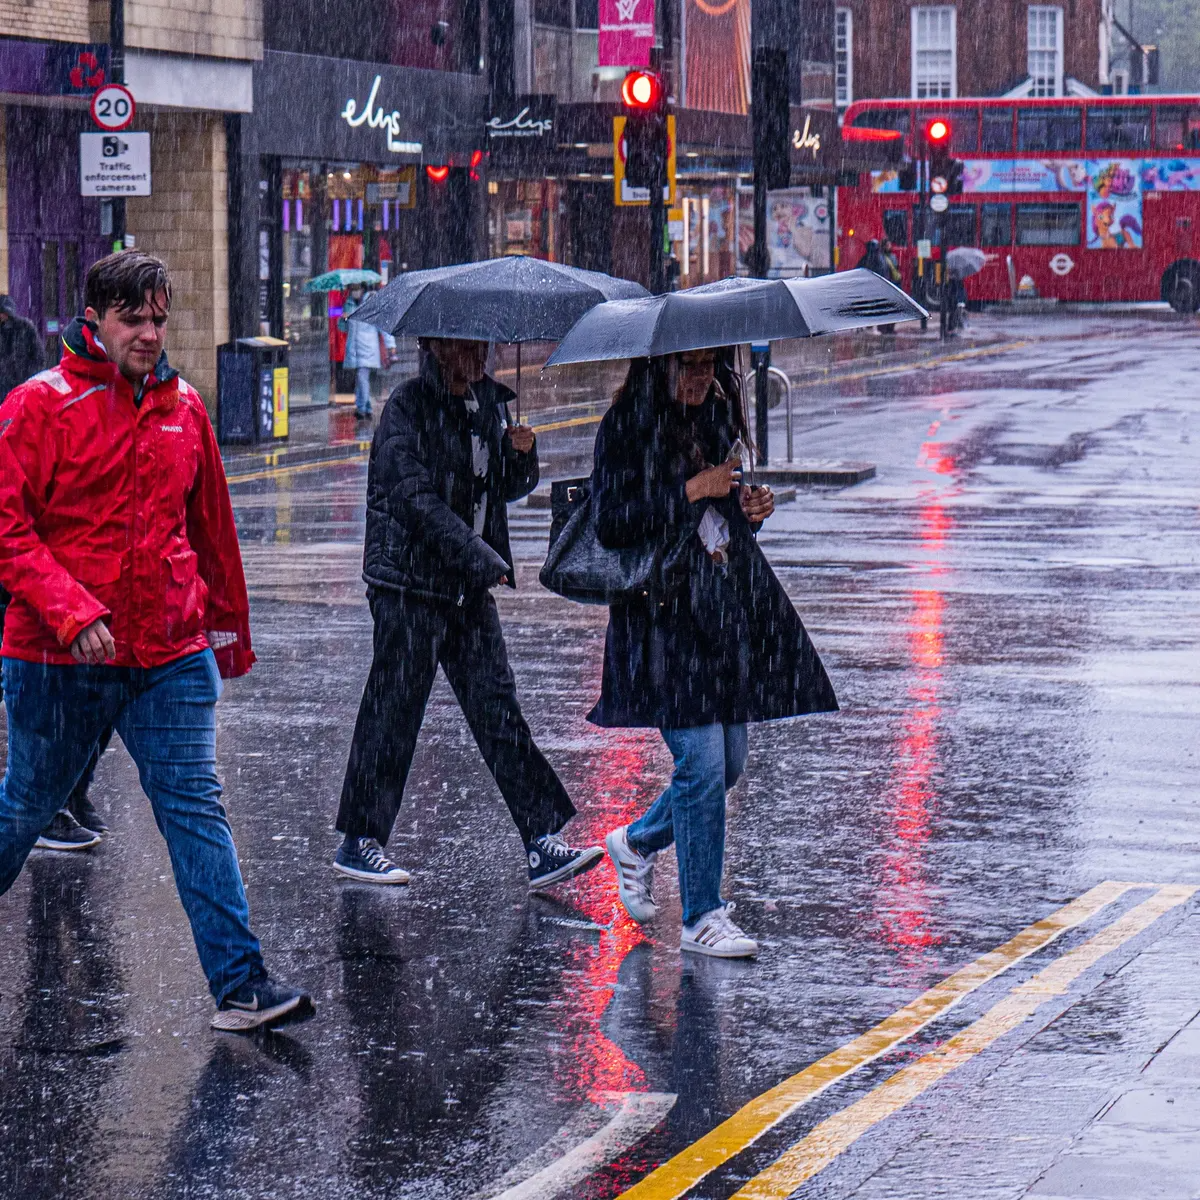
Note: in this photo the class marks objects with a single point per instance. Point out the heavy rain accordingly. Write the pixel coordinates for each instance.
(600, 600)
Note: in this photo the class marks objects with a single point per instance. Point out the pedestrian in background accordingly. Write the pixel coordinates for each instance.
(720, 648)
(20, 347)
(445, 463)
(118, 544)
(363, 354)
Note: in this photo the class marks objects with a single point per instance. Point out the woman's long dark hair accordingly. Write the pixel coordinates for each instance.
(648, 386)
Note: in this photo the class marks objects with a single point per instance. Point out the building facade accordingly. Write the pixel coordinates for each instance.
(187, 70)
(894, 49)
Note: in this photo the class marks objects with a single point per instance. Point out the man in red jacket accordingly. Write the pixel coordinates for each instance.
(118, 545)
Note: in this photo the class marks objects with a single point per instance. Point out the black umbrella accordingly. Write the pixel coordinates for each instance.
(733, 311)
(513, 299)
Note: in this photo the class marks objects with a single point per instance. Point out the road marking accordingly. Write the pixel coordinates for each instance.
(638, 1113)
(836, 1134)
(674, 1177)
(274, 472)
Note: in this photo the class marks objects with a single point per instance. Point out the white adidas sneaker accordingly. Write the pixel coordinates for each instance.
(717, 936)
(635, 874)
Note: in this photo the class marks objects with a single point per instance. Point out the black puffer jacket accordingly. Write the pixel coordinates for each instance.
(421, 490)
(725, 645)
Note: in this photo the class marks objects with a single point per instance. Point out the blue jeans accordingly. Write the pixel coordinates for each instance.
(166, 717)
(709, 760)
(362, 391)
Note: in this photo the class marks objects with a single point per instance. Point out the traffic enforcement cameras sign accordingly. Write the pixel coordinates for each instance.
(114, 164)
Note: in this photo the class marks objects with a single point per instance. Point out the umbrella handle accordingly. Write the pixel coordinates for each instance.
(518, 383)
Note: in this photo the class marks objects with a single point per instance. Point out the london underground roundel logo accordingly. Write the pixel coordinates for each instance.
(1062, 264)
(113, 107)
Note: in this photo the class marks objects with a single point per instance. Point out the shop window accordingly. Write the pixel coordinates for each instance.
(1049, 224)
(1116, 129)
(996, 131)
(587, 14)
(895, 226)
(1049, 129)
(997, 225)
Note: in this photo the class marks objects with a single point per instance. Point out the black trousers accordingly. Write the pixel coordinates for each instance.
(413, 636)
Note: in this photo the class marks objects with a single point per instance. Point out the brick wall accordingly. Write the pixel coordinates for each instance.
(220, 28)
(992, 45)
(185, 222)
(48, 20)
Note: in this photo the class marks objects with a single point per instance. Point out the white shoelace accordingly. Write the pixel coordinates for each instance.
(554, 845)
(717, 927)
(373, 853)
(639, 873)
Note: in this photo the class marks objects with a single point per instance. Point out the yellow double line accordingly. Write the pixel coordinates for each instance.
(836, 1134)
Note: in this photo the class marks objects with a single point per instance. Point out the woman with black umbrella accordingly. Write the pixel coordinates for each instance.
(719, 647)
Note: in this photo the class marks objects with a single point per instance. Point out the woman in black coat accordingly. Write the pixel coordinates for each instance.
(721, 646)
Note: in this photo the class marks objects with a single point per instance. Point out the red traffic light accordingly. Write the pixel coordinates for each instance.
(641, 91)
(937, 132)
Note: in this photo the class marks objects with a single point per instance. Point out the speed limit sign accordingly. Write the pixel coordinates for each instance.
(113, 107)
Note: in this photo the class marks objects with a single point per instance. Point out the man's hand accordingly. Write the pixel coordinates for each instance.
(522, 438)
(93, 645)
(758, 503)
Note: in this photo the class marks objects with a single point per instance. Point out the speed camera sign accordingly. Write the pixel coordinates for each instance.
(113, 108)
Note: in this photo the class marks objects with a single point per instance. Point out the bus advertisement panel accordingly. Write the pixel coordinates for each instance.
(1049, 187)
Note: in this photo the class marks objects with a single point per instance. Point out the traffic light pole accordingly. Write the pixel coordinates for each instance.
(658, 221)
(116, 74)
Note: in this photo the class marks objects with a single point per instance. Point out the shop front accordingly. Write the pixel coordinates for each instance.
(345, 164)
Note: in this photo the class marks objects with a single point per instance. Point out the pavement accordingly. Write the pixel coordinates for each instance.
(974, 886)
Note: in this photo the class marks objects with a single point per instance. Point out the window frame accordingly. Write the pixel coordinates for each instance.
(1032, 14)
(915, 50)
(1059, 205)
(995, 205)
(843, 59)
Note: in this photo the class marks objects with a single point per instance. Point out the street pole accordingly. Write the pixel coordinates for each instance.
(658, 219)
(116, 70)
(759, 264)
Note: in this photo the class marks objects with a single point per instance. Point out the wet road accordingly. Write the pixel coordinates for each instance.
(1009, 612)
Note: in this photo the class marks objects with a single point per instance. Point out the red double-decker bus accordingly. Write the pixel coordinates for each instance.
(1084, 199)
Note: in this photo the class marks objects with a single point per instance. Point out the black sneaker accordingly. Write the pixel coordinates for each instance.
(551, 861)
(262, 1004)
(86, 813)
(66, 833)
(363, 859)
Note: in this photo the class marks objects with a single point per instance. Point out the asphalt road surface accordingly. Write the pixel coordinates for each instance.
(973, 885)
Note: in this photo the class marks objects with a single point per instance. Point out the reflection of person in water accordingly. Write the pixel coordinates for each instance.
(1127, 237)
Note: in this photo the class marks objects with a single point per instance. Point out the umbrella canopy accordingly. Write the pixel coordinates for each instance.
(341, 279)
(964, 261)
(732, 311)
(513, 299)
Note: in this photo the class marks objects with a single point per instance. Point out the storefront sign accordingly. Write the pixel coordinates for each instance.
(114, 164)
(807, 139)
(52, 68)
(626, 32)
(376, 118)
(524, 131)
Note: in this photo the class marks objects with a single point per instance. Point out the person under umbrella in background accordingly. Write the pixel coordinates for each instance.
(722, 647)
(445, 462)
(363, 354)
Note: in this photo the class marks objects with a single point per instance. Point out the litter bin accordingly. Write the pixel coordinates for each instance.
(252, 390)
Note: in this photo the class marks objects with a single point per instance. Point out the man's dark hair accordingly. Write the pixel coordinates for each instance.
(124, 280)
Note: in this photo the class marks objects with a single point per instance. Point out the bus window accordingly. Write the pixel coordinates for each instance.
(895, 226)
(959, 225)
(1049, 224)
(1176, 129)
(996, 135)
(1049, 129)
(1115, 129)
(964, 131)
(883, 118)
(997, 225)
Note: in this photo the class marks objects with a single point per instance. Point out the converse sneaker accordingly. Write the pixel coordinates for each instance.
(635, 875)
(66, 833)
(262, 1004)
(551, 861)
(363, 858)
(716, 935)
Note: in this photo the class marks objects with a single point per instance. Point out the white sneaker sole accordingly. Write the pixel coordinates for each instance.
(45, 843)
(394, 877)
(636, 912)
(716, 951)
(587, 859)
(236, 1020)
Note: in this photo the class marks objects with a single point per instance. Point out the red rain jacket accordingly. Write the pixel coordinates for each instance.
(112, 511)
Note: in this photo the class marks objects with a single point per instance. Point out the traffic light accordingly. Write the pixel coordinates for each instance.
(938, 133)
(645, 103)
